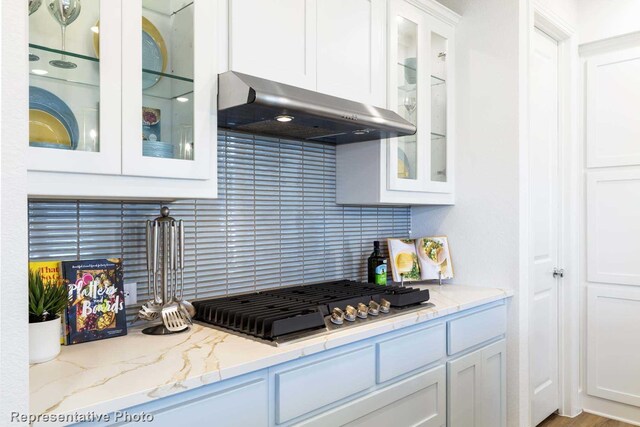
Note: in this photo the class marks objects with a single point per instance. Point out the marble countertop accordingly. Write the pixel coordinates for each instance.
(105, 376)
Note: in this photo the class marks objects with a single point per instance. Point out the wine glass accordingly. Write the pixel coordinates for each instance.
(65, 12)
(410, 103)
(33, 6)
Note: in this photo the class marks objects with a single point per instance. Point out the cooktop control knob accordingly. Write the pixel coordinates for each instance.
(362, 311)
(337, 316)
(350, 314)
(374, 308)
(384, 305)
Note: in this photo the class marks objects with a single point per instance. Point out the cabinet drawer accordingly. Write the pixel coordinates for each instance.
(411, 351)
(306, 388)
(468, 331)
(419, 400)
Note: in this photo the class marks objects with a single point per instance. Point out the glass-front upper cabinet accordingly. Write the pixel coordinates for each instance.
(74, 86)
(418, 92)
(168, 85)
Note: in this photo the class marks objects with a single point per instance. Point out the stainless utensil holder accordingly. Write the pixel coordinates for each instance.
(165, 236)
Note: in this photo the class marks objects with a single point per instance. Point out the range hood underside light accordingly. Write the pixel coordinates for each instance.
(263, 107)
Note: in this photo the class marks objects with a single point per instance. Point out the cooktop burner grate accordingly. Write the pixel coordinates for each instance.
(275, 313)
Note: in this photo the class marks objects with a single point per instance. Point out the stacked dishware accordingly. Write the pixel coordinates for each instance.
(158, 149)
(165, 271)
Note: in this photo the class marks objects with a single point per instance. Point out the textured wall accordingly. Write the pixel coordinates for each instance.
(275, 223)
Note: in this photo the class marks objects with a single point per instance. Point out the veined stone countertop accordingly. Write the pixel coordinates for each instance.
(117, 373)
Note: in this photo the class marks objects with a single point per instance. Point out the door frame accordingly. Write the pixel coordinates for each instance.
(569, 231)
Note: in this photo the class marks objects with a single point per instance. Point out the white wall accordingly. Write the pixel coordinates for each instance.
(483, 226)
(14, 378)
(600, 19)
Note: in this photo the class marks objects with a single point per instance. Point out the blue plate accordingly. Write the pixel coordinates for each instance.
(151, 60)
(158, 149)
(40, 99)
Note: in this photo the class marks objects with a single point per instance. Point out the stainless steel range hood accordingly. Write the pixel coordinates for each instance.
(264, 107)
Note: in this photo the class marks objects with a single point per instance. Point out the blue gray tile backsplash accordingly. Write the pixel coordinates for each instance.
(275, 223)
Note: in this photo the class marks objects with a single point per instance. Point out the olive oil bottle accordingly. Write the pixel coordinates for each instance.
(377, 266)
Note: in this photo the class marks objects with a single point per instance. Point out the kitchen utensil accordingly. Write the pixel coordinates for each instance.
(186, 305)
(65, 12)
(41, 100)
(172, 316)
(163, 244)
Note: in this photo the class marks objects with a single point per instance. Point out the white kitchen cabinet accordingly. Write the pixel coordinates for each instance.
(415, 169)
(476, 388)
(351, 50)
(133, 116)
(329, 46)
(274, 39)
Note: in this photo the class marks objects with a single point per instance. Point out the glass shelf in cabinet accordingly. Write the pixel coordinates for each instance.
(436, 136)
(86, 71)
(435, 81)
(168, 86)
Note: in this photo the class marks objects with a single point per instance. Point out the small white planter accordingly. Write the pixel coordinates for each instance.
(44, 340)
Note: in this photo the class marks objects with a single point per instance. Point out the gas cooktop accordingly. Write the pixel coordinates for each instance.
(292, 313)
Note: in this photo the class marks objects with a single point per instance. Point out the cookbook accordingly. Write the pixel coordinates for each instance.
(425, 258)
(96, 307)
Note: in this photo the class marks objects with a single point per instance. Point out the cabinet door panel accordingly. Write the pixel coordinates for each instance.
(613, 230)
(613, 327)
(168, 117)
(464, 388)
(351, 50)
(494, 385)
(612, 109)
(75, 93)
(274, 39)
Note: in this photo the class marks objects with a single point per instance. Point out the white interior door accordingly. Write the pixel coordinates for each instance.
(544, 224)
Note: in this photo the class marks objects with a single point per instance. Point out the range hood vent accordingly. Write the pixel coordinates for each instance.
(264, 107)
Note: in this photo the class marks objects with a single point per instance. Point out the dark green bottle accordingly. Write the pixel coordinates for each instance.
(377, 266)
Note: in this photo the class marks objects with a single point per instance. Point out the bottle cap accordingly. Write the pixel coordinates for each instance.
(376, 244)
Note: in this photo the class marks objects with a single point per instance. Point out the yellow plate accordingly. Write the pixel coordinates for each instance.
(46, 129)
(148, 28)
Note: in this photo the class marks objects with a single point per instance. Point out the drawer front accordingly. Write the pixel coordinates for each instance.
(468, 331)
(419, 400)
(411, 351)
(306, 388)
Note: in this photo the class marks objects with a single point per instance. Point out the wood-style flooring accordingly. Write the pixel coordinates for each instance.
(582, 420)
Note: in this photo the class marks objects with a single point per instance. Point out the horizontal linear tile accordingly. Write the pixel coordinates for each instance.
(275, 223)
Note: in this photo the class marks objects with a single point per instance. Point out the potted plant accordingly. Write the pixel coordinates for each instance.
(46, 303)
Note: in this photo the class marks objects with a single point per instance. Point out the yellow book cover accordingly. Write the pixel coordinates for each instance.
(51, 272)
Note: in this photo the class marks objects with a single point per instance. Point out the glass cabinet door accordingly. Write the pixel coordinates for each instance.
(439, 153)
(167, 88)
(408, 95)
(74, 81)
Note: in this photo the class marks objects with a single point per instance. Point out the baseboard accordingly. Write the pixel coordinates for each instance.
(610, 409)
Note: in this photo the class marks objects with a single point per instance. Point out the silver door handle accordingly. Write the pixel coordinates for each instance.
(558, 272)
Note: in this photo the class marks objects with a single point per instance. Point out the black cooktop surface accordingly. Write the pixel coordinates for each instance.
(276, 313)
